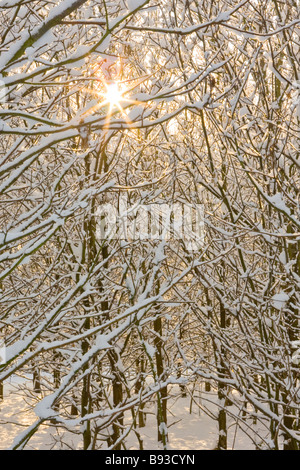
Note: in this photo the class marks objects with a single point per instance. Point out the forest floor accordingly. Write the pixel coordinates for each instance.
(189, 427)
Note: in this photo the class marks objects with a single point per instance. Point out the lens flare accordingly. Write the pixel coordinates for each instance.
(112, 98)
(113, 94)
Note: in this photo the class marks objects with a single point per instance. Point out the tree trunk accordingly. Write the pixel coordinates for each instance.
(163, 394)
(36, 381)
(222, 418)
(141, 415)
(85, 394)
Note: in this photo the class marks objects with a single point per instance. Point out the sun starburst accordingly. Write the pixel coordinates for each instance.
(113, 95)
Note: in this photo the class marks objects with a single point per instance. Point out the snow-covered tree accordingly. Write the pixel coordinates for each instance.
(151, 111)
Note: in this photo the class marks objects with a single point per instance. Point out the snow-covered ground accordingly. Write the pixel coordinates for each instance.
(189, 427)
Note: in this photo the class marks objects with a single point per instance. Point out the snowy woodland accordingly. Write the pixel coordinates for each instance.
(146, 340)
